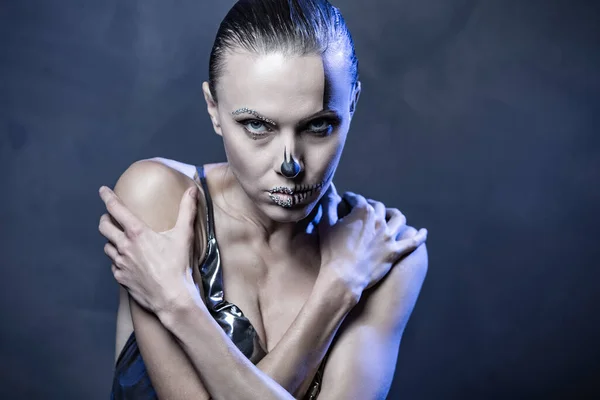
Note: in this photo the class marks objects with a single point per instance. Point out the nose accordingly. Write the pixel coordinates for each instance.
(290, 168)
(289, 162)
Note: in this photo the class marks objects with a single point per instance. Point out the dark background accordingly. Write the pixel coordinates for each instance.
(478, 119)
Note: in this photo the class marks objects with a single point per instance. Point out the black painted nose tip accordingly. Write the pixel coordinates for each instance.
(289, 168)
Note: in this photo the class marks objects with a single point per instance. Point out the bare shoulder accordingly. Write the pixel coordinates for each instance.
(416, 261)
(188, 170)
(152, 189)
(389, 304)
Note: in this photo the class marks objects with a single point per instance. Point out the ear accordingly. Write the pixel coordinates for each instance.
(213, 110)
(355, 95)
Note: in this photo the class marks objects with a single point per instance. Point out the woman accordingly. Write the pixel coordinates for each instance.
(293, 300)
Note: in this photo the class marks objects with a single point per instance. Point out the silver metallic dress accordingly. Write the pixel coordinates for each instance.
(131, 380)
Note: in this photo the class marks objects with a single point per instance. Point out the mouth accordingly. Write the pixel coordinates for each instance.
(296, 189)
(288, 197)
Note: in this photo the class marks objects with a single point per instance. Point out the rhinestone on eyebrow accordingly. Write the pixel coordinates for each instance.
(254, 113)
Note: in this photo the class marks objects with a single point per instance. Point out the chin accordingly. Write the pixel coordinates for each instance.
(289, 214)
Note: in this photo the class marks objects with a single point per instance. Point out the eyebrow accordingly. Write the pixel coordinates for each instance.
(322, 113)
(246, 110)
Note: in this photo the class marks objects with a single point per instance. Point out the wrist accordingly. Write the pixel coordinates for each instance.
(332, 287)
(187, 300)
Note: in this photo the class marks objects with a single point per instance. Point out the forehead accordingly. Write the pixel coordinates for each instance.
(282, 86)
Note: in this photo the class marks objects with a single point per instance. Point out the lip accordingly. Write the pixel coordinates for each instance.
(287, 197)
(296, 190)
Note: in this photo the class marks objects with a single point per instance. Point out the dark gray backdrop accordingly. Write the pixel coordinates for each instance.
(478, 120)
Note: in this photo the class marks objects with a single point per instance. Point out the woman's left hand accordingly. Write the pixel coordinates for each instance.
(153, 266)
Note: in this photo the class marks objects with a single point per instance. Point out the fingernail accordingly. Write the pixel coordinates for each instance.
(101, 189)
(193, 192)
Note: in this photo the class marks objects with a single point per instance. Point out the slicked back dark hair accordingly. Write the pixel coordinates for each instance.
(292, 27)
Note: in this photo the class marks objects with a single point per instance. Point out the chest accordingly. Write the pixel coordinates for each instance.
(270, 291)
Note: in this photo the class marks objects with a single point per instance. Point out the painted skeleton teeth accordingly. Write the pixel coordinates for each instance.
(281, 189)
(295, 196)
(287, 190)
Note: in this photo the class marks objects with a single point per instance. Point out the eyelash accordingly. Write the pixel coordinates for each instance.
(331, 123)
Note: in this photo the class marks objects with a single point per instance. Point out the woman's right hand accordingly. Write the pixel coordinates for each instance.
(361, 248)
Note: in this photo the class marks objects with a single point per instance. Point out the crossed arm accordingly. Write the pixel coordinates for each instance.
(213, 364)
(188, 355)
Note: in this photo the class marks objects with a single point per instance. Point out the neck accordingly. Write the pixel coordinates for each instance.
(259, 228)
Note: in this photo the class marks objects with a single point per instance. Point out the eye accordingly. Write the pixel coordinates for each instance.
(255, 127)
(321, 127)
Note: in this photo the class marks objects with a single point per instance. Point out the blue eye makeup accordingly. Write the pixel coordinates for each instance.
(319, 125)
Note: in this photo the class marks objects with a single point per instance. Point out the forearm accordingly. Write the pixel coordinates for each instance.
(301, 350)
(227, 373)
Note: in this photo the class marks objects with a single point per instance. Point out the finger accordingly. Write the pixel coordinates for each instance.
(344, 208)
(405, 246)
(111, 251)
(109, 230)
(380, 210)
(118, 275)
(395, 220)
(122, 215)
(358, 203)
(187, 211)
(329, 204)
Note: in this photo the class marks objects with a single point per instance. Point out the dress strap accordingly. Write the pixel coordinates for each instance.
(209, 207)
(210, 270)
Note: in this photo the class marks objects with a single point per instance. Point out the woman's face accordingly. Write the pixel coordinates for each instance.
(273, 103)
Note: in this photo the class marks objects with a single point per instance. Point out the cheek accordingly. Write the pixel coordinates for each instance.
(235, 149)
(323, 158)
(242, 156)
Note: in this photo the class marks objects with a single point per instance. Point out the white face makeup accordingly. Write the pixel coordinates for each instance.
(273, 103)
